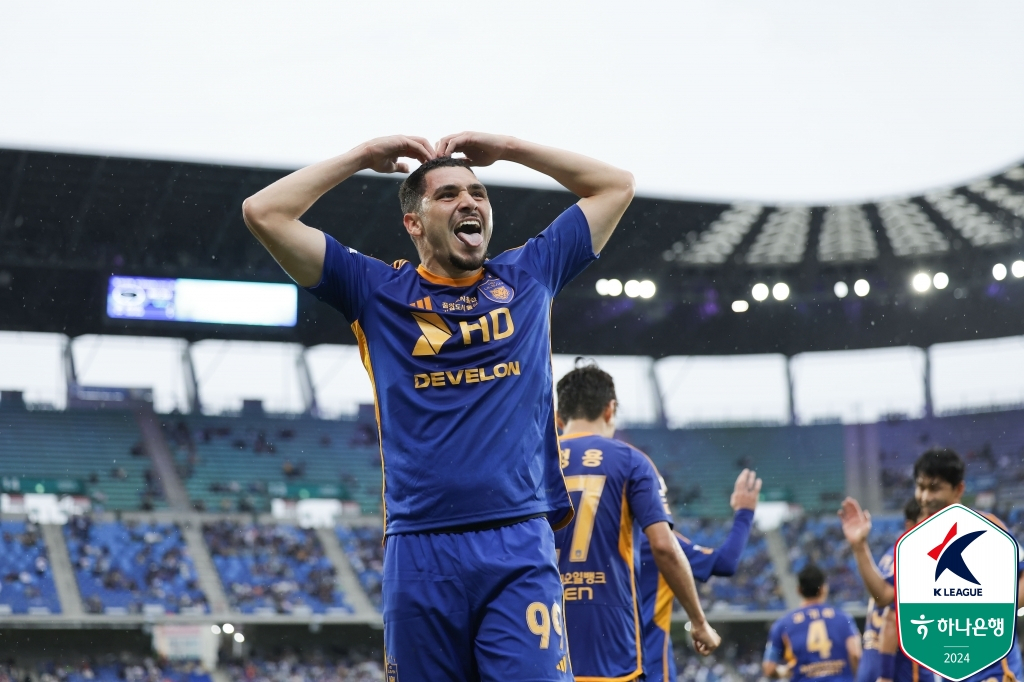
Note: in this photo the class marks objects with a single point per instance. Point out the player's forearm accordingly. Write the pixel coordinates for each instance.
(291, 196)
(583, 176)
(675, 568)
(727, 557)
(874, 583)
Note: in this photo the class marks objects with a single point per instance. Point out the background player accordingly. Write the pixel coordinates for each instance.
(458, 352)
(939, 482)
(620, 495)
(816, 641)
(655, 595)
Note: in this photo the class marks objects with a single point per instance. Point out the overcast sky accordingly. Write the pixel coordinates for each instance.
(791, 100)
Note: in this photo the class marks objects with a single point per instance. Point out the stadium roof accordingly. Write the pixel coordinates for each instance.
(787, 101)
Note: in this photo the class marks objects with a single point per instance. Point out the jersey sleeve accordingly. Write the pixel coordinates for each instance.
(851, 627)
(774, 652)
(644, 492)
(702, 559)
(559, 253)
(348, 278)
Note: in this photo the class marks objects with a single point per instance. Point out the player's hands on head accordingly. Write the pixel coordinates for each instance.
(481, 149)
(382, 154)
(705, 639)
(856, 521)
(746, 491)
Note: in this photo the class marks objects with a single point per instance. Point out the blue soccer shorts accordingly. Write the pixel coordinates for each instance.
(480, 605)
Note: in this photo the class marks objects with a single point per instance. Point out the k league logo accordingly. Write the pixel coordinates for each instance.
(956, 592)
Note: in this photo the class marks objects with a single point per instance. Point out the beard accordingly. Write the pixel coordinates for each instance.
(472, 263)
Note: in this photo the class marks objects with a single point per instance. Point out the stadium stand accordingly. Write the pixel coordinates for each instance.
(700, 465)
(364, 547)
(133, 568)
(107, 668)
(820, 540)
(27, 581)
(99, 451)
(315, 668)
(231, 463)
(755, 587)
(992, 445)
(269, 569)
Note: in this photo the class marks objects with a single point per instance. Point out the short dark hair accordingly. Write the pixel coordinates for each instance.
(810, 580)
(410, 194)
(941, 463)
(912, 510)
(584, 392)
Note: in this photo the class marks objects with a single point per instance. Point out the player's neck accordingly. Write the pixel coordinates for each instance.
(444, 268)
(816, 601)
(598, 427)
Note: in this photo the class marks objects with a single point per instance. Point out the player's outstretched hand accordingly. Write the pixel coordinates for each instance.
(705, 639)
(856, 521)
(746, 491)
(481, 149)
(382, 154)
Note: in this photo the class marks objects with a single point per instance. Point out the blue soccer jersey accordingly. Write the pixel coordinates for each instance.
(868, 669)
(617, 493)
(461, 373)
(656, 596)
(812, 641)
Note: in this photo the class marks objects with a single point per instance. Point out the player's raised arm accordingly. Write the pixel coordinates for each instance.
(856, 527)
(888, 644)
(273, 213)
(674, 567)
(604, 190)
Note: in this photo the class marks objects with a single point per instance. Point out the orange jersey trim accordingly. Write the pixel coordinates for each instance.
(364, 355)
(458, 282)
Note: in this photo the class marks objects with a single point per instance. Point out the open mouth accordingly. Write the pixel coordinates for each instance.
(470, 232)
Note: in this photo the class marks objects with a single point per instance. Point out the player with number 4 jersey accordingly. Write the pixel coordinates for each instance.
(816, 641)
(617, 494)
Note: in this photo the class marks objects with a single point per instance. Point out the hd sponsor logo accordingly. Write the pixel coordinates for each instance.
(956, 592)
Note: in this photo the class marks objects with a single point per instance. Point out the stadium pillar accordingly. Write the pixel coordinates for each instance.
(659, 402)
(789, 386)
(863, 469)
(306, 383)
(929, 409)
(191, 385)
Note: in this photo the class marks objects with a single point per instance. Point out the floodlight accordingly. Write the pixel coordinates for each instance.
(940, 280)
(1017, 268)
(841, 289)
(861, 287)
(632, 288)
(613, 287)
(780, 291)
(215, 629)
(239, 637)
(228, 628)
(922, 282)
(999, 271)
(759, 291)
(647, 289)
(740, 306)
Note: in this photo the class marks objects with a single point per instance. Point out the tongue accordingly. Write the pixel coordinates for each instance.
(471, 239)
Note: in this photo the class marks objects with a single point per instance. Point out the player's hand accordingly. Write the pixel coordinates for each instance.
(481, 149)
(746, 491)
(382, 154)
(705, 639)
(856, 522)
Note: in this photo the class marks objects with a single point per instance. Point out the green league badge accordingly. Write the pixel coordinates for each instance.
(956, 592)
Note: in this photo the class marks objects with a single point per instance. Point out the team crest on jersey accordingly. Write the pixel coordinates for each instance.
(392, 672)
(496, 290)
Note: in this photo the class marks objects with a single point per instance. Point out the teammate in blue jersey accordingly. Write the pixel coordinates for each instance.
(883, 660)
(458, 353)
(657, 598)
(939, 482)
(816, 641)
(620, 500)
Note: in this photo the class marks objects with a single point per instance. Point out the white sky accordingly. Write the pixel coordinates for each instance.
(790, 100)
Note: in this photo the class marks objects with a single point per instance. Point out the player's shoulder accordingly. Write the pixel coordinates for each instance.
(996, 520)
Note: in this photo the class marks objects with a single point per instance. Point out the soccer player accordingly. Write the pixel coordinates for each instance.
(620, 495)
(882, 659)
(458, 353)
(939, 482)
(815, 641)
(655, 594)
